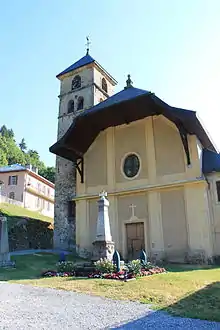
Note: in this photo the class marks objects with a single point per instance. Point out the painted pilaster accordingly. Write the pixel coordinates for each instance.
(110, 158)
(150, 150)
(156, 242)
(82, 229)
(113, 218)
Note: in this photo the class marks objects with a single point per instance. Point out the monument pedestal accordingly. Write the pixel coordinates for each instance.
(103, 250)
(103, 246)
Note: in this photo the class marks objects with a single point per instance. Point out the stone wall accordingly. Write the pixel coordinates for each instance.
(64, 226)
(26, 233)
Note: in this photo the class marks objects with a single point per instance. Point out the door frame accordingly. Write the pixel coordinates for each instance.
(124, 235)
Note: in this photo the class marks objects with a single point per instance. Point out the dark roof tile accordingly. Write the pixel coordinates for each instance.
(87, 59)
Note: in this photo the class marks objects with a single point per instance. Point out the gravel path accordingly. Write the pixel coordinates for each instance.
(25, 307)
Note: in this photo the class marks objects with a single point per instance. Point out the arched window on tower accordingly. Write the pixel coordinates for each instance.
(104, 85)
(80, 103)
(76, 82)
(70, 106)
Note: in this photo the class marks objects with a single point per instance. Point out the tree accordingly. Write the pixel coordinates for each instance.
(11, 153)
(7, 133)
(48, 173)
(22, 145)
(14, 154)
(3, 151)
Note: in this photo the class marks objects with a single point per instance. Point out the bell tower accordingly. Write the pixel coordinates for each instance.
(82, 85)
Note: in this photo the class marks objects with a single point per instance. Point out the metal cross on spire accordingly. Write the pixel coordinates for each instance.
(87, 45)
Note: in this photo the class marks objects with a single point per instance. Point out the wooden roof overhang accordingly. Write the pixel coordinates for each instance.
(87, 126)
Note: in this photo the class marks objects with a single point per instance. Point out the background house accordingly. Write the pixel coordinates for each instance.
(22, 185)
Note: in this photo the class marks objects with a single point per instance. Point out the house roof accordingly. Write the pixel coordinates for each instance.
(12, 168)
(210, 161)
(128, 105)
(20, 168)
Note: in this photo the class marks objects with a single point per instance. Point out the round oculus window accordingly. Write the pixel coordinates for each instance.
(131, 165)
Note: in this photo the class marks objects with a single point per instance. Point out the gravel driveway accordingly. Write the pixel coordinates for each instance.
(25, 307)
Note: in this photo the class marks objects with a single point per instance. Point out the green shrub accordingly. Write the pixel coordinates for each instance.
(134, 267)
(66, 267)
(147, 266)
(104, 266)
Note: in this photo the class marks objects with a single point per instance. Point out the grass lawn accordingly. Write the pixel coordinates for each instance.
(184, 290)
(11, 211)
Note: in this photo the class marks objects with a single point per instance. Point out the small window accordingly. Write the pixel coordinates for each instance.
(13, 180)
(218, 190)
(11, 195)
(70, 106)
(38, 203)
(131, 166)
(38, 187)
(48, 206)
(43, 203)
(104, 85)
(48, 191)
(44, 188)
(80, 103)
(71, 209)
(76, 82)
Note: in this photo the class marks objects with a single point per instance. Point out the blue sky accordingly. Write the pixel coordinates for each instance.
(171, 48)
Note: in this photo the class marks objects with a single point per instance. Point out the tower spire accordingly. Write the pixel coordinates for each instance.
(87, 45)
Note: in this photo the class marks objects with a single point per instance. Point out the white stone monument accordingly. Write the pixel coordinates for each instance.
(4, 246)
(103, 244)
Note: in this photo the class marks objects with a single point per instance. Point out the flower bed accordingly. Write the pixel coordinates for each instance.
(105, 269)
(125, 275)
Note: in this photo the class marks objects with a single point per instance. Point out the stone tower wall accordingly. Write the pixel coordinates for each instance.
(65, 179)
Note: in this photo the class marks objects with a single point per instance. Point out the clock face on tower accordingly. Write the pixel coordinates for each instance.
(76, 82)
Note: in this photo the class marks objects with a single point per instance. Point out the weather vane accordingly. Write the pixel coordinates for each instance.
(87, 45)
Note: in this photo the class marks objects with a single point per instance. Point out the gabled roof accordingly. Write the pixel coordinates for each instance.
(128, 105)
(85, 60)
(210, 161)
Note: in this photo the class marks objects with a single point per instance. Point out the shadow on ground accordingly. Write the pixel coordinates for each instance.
(194, 311)
(161, 320)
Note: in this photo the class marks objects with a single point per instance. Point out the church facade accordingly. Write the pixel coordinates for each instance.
(157, 164)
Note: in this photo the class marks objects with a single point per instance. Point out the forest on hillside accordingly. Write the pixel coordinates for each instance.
(13, 153)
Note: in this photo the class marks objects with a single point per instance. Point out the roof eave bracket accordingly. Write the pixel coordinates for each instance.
(80, 168)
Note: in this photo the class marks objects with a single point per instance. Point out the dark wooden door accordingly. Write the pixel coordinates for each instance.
(135, 239)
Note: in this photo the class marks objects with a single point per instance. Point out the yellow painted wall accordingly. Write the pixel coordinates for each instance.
(214, 204)
(168, 147)
(172, 217)
(198, 218)
(174, 222)
(96, 162)
(130, 139)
